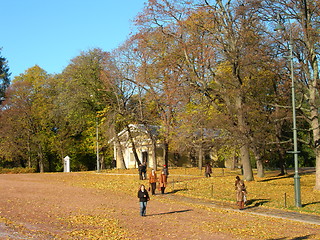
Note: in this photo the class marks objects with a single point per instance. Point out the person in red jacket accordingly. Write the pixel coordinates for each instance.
(153, 181)
(162, 182)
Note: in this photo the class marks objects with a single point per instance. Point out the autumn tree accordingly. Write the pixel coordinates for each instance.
(124, 103)
(143, 112)
(301, 23)
(15, 141)
(4, 76)
(56, 115)
(27, 107)
(156, 54)
(220, 46)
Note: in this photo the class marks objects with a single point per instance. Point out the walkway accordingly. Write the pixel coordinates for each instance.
(255, 210)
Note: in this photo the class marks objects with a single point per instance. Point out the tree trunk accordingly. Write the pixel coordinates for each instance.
(200, 157)
(244, 148)
(119, 149)
(280, 151)
(260, 168)
(315, 123)
(317, 185)
(29, 154)
(259, 161)
(154, 154)
(316, 138)
(134, 150)
(102, 162)
(166, 153)
(40, 155)
(282, 164)
(245, 160)
(154, 147)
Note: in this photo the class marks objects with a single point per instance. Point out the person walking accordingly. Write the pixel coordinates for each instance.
(140, 171)
(162, 182)
(143, 171)
(236, 182)
(166, 170)
(153, 181)
(241, 193)
(143, 196)
(208, 170)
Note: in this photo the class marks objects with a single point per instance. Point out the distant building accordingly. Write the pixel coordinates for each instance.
(141, 136)
(143, 144)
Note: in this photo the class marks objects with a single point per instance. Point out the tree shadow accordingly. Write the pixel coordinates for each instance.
(276, 178)
(296, 238)
(283, 238)
(302, 171)
(176, 190)
(172, 212)
(306, 204)
(252, 203)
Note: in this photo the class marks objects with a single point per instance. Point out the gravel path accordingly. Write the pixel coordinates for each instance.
(35, 206)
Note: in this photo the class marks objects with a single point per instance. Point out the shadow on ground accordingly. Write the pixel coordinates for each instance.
(306, 204)
(302, 171)
(275, 178)
(296, 238)
(172, 212)
(252, 203)
(177, 190)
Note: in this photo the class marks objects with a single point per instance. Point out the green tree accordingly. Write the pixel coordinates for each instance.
(81, 98)
(4, 76)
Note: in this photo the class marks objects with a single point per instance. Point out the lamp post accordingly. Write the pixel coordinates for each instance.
(295, 152)
(97, 141)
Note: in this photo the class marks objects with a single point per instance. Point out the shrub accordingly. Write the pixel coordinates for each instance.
(16, 170)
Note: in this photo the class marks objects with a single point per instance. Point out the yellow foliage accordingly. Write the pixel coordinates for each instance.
(95, 227)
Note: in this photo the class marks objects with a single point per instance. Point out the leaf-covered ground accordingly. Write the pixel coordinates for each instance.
(271, 191)
(105, 206)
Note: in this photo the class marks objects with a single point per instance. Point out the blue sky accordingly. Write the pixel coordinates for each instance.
(50, 33)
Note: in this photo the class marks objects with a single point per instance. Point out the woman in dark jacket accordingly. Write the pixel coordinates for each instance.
(143, 199)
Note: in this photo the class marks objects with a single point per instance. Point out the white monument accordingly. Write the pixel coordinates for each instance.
(66, 165)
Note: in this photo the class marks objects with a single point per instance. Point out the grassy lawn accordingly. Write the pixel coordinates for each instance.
(271, 191)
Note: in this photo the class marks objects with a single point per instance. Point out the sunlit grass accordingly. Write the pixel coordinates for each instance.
(268, 192)
(272, 191)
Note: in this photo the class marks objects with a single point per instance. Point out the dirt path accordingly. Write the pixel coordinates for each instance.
(36, 206)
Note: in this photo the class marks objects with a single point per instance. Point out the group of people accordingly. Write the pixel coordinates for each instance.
(162, 181)
(143, 194)
(144, 197)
